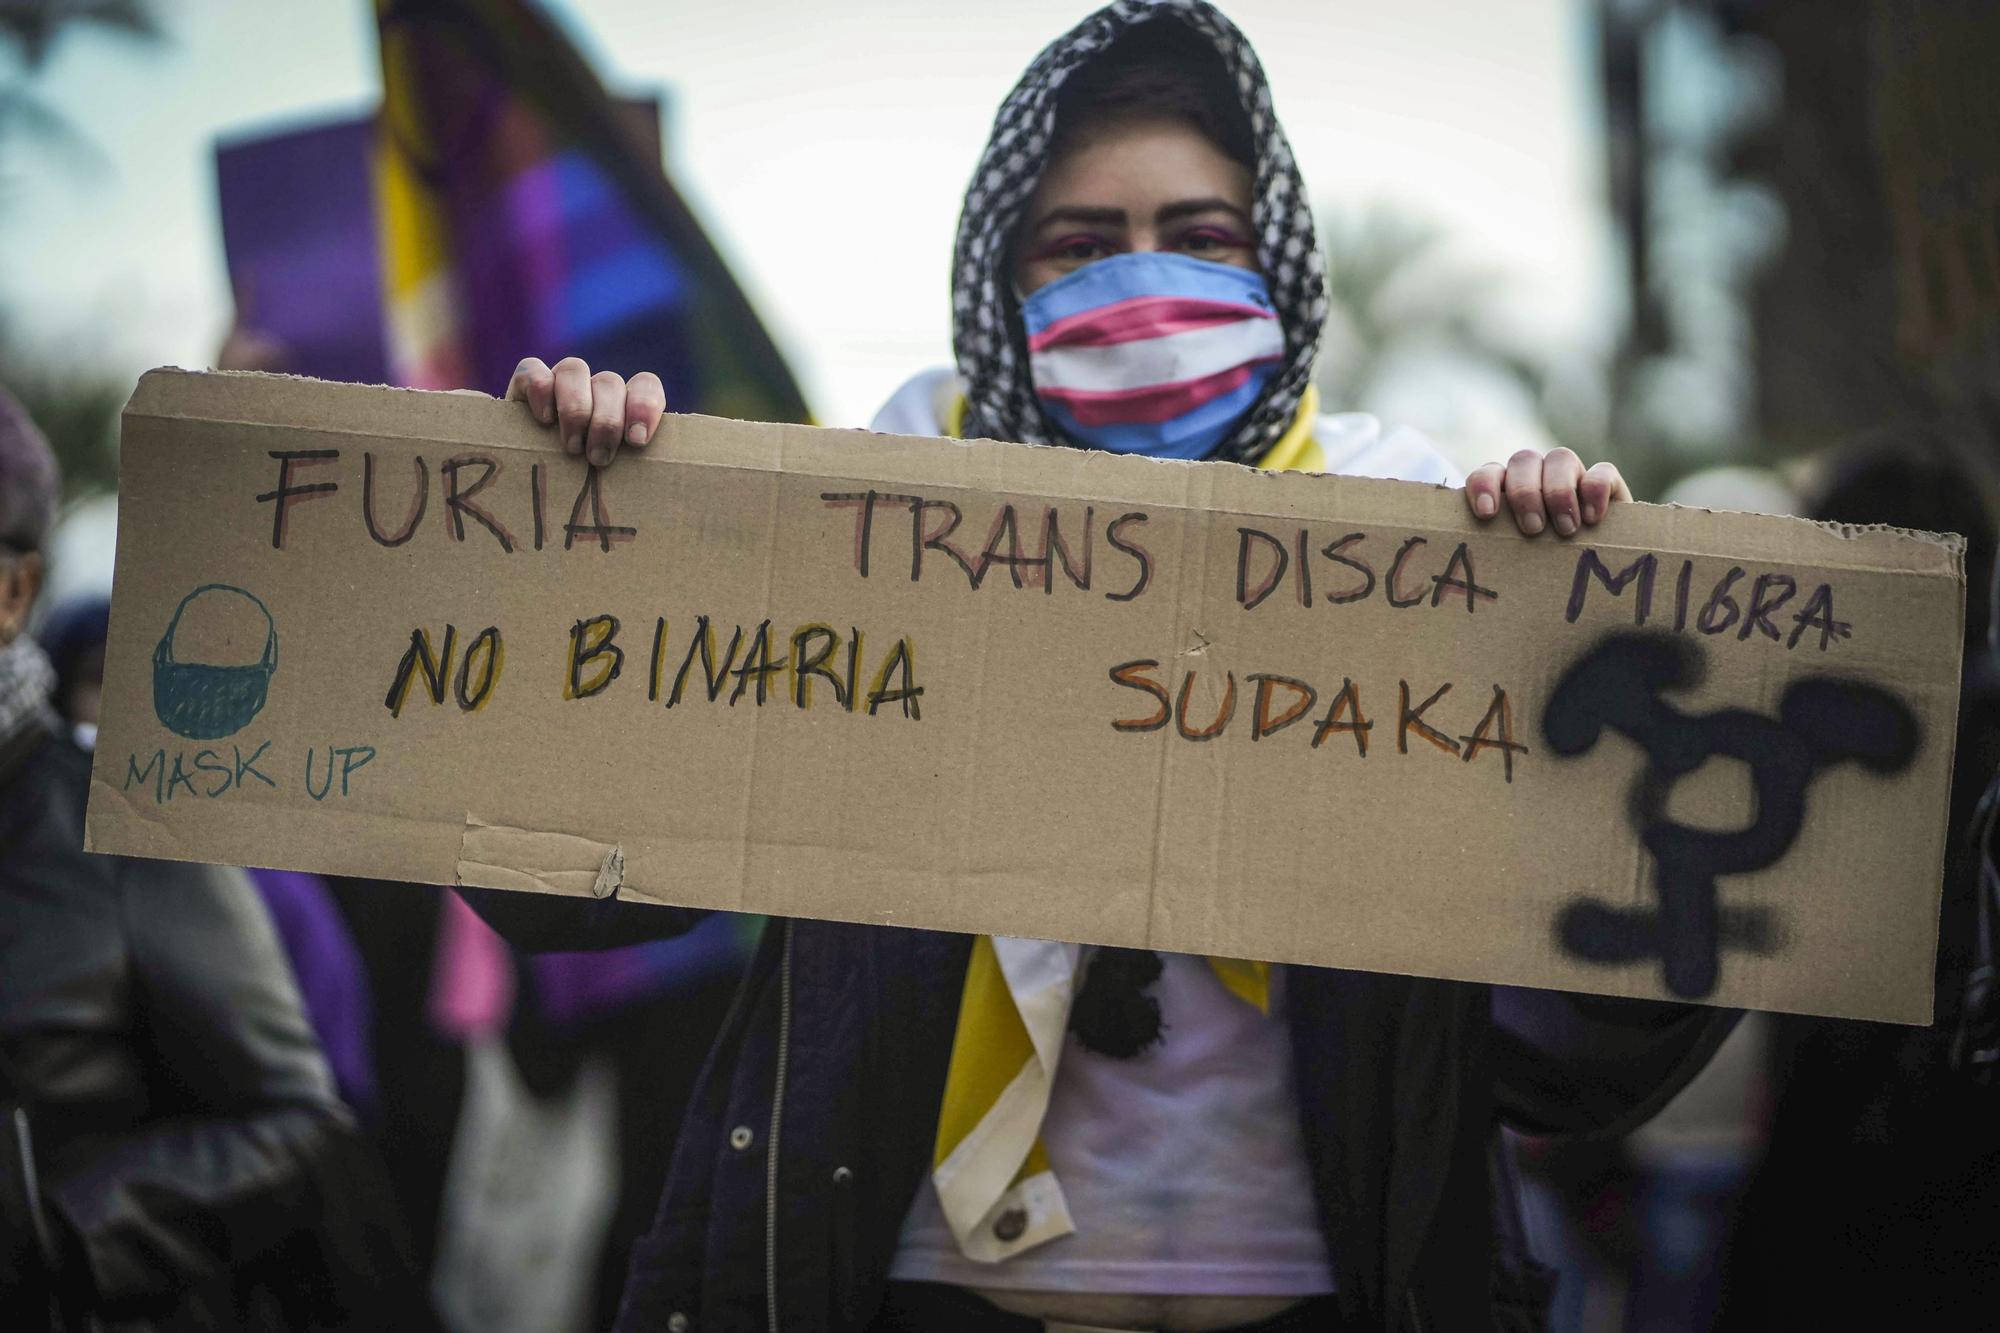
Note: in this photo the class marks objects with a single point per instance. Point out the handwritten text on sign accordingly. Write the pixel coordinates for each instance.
(1311, 719)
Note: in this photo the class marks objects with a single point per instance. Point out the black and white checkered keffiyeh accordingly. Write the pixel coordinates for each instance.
(986, 324)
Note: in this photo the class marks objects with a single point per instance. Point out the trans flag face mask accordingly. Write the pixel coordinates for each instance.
(1155, 354)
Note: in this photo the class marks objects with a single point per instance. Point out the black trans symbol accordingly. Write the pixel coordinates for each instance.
(1821, 721)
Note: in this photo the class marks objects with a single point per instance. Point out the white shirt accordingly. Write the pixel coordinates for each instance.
(1184, 1167)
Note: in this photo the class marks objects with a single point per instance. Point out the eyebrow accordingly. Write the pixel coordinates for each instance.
(1112, 217)
(1115, 217)
(1189, 207)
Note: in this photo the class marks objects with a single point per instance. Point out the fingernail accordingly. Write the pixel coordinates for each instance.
(1485, 506)
(547, 416)
(635, 433)
(573, 443)
(1590, 513)
(1531, 523)
(599, 457)
(1565, 525)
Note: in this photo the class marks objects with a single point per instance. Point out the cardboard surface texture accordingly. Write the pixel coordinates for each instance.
(1030, 691)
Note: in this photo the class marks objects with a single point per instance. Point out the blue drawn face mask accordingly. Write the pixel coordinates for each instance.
(203, 701)
(1155, 354)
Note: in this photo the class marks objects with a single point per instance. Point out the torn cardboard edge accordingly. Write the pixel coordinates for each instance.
(498, 856)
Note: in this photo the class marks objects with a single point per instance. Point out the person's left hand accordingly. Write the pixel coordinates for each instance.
(1552, 490)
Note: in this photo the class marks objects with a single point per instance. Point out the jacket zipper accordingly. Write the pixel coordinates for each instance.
(1416, 1315)
(777, 1124)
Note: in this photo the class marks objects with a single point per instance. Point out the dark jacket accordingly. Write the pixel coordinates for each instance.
(812, 1127)
(197, 1167)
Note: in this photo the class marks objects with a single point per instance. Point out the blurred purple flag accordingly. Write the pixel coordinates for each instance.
(298, 226)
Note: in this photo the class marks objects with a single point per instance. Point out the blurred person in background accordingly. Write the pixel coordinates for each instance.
(316, 940)
(177, 1156)
(72, 633)
(1879, 1194)
(904, 1129)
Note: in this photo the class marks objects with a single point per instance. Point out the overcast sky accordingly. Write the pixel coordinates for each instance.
(826, 146)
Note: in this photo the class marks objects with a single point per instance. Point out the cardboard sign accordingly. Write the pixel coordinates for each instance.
(1030, 691)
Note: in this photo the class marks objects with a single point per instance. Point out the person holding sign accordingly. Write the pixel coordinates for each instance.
(908, 1130)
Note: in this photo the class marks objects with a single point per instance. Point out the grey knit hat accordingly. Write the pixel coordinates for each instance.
(30, 482)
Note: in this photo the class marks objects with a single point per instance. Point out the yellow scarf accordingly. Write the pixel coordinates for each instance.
(993, 1178)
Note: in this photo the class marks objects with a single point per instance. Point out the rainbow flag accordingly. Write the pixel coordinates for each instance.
(521, 212)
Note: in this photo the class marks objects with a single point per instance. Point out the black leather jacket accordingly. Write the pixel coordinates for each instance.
(197, 1165)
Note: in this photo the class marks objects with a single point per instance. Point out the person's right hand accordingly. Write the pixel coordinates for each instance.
(593, 414)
